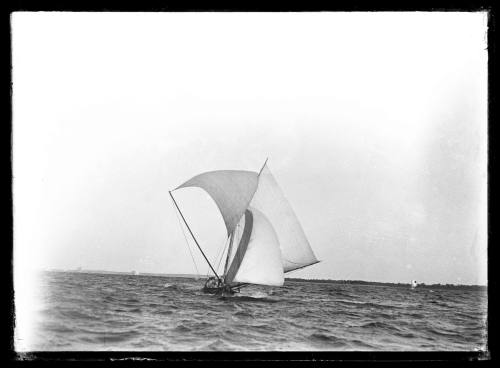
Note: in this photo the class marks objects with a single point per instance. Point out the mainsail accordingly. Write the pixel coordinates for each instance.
(232, 191)
(272, 241)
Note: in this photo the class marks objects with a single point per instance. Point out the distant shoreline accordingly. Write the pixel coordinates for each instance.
(293, 279)
(392, 284)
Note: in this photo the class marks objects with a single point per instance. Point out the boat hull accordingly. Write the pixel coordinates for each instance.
(223, 291)
(218, 287)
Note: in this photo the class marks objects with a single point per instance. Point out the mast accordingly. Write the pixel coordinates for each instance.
(226, 266)
(233, 234)
(265, 162)
(229, 252)
(196, 241)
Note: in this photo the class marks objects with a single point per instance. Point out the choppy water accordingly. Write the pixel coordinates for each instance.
(83, 311)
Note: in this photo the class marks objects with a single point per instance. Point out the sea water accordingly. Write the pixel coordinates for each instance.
(89, 311)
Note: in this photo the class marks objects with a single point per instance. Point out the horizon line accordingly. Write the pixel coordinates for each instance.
(81, 269)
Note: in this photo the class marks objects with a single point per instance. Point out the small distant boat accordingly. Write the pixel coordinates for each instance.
(261, 223)
(413, 284)
(135, 273)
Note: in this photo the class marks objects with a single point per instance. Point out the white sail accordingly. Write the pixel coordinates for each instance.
(237, 234)
(258, 258)
(269, 240)
(232, 191)
(269, 199)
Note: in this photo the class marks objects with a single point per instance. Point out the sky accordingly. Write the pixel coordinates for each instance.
(374, 125)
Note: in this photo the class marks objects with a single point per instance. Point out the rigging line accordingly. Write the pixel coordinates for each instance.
(262, 168)
(220, 260)
(218, 253)
(229, 249)
(185, 238)
(187, 242)
(225, 247)
(196, 241)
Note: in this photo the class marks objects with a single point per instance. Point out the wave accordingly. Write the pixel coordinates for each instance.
(108, 337)
(243, 314)
(406, 335)
(381, 325)
(182, 328)
(262, 326)
(165, 312)
(174, 287)
(247, 298)
(135, 310)
(362, 344)
(442, 332)
(330, 339)
(337, 292)
(359, 304)
(440, 304)
(61, 329)
(132, 300)
(217, 345)
(105, 312)
(76, 314)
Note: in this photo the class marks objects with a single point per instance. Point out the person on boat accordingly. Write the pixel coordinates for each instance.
(211, 282)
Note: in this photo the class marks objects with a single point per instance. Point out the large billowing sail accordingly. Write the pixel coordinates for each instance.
(257, 259)
(267, 238)
(232, 191)
(269, 199)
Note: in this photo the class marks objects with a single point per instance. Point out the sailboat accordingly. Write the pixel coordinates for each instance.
(265, 237)
(413, 284)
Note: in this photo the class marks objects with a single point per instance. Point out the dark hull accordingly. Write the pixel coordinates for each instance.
(218, 291)
(219, 288)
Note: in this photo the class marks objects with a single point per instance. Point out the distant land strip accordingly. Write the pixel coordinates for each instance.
(293, 279)
(391, 284)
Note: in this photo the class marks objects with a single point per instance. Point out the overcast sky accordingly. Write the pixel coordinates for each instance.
(375, 125)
